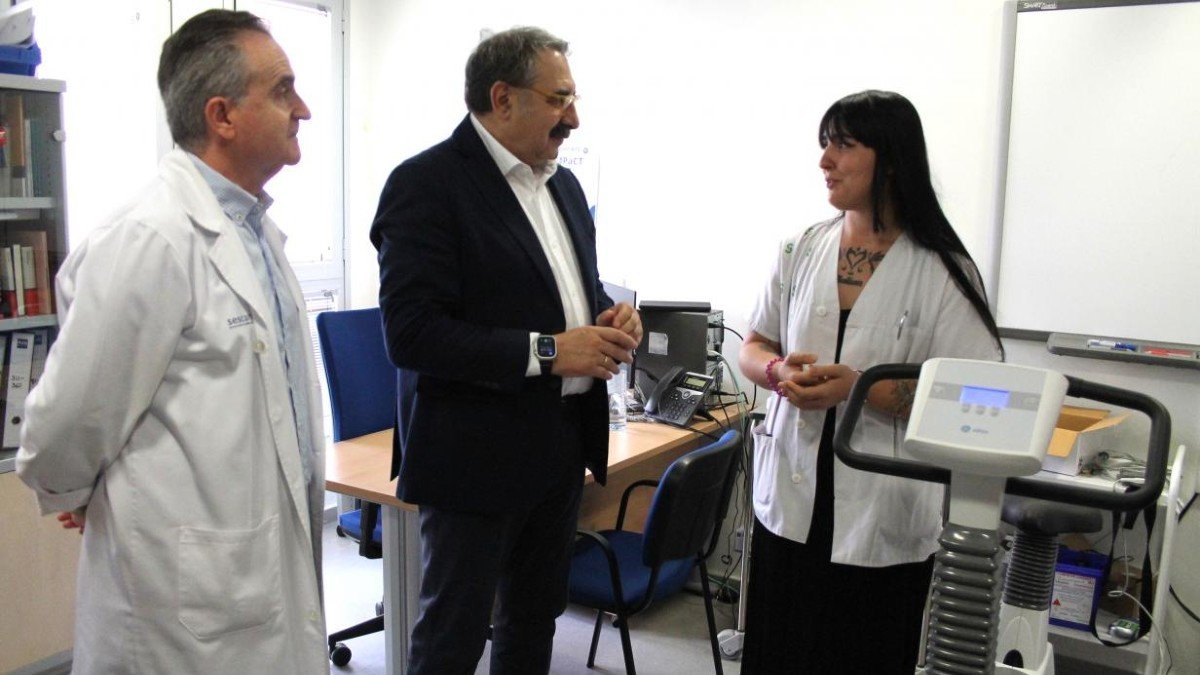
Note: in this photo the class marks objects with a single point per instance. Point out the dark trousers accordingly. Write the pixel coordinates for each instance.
(808, 615)
(506, 569)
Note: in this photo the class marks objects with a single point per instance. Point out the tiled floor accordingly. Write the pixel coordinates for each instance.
(669, 638)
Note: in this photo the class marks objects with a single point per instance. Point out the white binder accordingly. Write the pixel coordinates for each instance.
(20, 364)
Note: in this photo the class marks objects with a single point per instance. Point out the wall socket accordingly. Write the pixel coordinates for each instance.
(739, 538)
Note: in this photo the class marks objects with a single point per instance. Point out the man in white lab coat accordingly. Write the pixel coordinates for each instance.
(179, 409)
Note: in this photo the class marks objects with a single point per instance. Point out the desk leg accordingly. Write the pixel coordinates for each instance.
(401, 584)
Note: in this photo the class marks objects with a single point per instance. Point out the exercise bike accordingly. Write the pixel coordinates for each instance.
(982, 427)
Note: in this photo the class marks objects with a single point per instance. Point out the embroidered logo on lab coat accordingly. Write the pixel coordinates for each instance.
(238, 321)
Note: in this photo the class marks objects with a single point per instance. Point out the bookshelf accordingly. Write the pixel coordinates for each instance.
(14, 208)
(33, 238)
(32, 213)
(28, 323)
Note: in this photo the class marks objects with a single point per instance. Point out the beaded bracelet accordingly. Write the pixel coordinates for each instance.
(772, 381)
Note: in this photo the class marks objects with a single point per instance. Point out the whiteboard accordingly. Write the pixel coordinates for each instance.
(1101, 213)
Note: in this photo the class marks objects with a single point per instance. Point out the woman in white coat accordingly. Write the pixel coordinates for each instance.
(842, 558)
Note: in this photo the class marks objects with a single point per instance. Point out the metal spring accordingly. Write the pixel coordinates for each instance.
(1029, 581)
(962, 617)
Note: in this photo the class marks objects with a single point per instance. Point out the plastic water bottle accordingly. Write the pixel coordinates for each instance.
(616, 401)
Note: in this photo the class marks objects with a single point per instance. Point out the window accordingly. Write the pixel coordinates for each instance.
(308, 196)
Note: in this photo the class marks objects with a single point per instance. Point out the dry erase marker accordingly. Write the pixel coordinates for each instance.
(1112, 344)
(1172, 353)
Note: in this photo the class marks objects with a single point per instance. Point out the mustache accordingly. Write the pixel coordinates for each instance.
(560, 130)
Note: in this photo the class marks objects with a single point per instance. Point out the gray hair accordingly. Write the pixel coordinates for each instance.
(509, 56)
(199, 61)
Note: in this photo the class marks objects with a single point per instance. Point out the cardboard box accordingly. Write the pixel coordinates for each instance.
(1079, 434)
(1129, 580)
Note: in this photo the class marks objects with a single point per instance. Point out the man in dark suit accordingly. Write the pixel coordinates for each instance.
(494, 312)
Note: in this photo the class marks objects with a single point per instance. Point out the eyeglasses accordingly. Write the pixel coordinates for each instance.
(559, 101)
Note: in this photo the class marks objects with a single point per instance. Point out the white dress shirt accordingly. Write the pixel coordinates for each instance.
(529, 186)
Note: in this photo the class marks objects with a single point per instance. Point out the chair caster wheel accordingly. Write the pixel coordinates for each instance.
(340, 532)
(340, 655)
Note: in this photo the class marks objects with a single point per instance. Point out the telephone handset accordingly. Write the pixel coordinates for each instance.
(677, 395)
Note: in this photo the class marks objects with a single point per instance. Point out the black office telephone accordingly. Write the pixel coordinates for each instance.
(677, 396)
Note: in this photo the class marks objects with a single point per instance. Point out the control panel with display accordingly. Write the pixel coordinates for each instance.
(677, 396)
(985, 417)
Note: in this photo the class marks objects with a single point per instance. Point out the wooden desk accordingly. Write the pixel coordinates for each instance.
(359, 467)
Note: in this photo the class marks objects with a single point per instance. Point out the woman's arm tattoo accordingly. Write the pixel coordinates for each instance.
(903, 395)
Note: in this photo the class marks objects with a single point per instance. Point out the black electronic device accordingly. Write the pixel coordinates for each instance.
(678, 339)
(677, 396)
(675, 306)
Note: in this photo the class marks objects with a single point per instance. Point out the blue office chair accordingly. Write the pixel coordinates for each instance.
(362, 398)
(622, 572)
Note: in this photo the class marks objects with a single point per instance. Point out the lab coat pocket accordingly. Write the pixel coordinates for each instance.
(766, 459)
(228, 579)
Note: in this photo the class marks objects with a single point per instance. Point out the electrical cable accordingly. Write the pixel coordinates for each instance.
(737, 498)
(711, 325)
(753, 402)
(1118, 594)
(737, 385)
(636, 387)
(708, 416)
(1171, 589)
(1120, 467)
(730, 538)
(695, 430)
(744, 415)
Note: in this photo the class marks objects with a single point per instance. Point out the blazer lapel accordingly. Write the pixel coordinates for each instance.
(576, 219)
(486, 176)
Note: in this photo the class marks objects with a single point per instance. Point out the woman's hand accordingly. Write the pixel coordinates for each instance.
(792, 368)
(818, 387)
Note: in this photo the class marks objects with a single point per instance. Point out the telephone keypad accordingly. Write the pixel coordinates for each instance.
(677, 405)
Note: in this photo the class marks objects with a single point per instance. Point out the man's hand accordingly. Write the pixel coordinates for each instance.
(72, 519)
(592, 351)
(624, 318)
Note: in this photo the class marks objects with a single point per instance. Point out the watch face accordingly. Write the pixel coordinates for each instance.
(546, 347)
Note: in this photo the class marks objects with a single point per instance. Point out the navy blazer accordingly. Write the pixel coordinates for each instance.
(463, 281)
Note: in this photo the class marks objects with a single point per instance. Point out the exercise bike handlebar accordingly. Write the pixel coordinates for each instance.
(1134, 500)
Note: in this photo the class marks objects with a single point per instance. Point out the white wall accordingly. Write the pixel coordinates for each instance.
(111, 151)
(705, 114)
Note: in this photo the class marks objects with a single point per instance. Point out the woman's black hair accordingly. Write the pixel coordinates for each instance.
(889, 124)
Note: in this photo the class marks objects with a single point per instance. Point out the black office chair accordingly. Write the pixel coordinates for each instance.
(362, 398)
(622, 572)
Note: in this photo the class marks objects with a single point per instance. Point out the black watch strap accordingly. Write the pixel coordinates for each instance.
(546, 350)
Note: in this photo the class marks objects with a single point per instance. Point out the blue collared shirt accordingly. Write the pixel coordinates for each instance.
(246, 212)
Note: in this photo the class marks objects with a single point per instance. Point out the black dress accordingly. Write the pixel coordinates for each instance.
(805, 614)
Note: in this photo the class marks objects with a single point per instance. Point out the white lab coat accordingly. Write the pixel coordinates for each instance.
(164, 409)
(877, 520)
